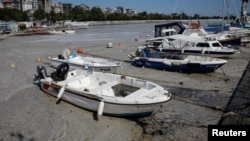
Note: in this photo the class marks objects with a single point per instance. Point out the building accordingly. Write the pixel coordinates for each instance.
(84, 6)
(1, 5)
(119, 10)
(27, 5)
(67, 7)
(57, 8)
(108, 10)
(131, 12)
(11, 4)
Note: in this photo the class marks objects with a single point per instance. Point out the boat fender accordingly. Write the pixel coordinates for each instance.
(100, 108)
(59, 95)
(79, 50)
(203, 51)
(65, 54)
(110, 45)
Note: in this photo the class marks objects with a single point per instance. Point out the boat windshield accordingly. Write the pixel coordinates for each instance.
(216, 45)
(202, 45)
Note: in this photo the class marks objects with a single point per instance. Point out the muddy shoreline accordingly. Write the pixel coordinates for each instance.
(27, 113)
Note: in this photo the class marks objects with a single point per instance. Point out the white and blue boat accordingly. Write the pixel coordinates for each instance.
(192, 45)
(78, 61)
(148, 57)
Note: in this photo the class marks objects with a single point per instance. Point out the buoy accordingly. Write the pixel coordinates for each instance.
(109, 45)
(100, 108)
(120, 44)
(79, 50)
(13, 65)
(59, 95)
(38, 60)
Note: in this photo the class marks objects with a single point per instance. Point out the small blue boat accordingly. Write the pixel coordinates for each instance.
(215, 27)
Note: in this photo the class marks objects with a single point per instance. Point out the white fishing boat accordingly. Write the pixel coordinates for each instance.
(194, 28)
(76, 24)
(103, 93)
(59, 32)
(78, 61)
(68, 31)
(148, 57)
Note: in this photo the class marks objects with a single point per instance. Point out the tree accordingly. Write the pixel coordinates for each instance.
(143, 16)
(96, 14)
(5, 14)
(13, 14)
(39, 14)
(78, 14)
(53, 17)
(196, 16)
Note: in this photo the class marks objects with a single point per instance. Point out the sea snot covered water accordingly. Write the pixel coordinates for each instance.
(124, 32)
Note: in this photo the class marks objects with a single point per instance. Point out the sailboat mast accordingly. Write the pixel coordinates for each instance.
(243, 10)
(223, 9)
(228, 10)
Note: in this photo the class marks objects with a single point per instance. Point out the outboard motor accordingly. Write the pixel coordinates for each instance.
(41, 73)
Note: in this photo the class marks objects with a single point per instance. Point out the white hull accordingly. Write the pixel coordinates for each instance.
(55, 32)
(109, 68)
(190, 45)
(148, 57)
(112, 109)
(105, 93)
(77, 24)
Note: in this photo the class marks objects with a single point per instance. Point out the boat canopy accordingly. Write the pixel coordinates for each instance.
(185, 38)
(168, 30)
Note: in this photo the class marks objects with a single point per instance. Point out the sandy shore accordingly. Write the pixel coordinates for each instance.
(27, 113)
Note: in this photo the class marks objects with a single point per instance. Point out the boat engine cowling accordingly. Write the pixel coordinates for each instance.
(61, 72)
(41, 73)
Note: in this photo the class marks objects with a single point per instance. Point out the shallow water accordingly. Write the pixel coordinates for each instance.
(125, 32)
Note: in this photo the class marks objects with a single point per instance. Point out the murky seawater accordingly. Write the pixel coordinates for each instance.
(125, 32)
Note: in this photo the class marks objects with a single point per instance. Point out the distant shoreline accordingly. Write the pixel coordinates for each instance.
(101, 23)
(96, 23)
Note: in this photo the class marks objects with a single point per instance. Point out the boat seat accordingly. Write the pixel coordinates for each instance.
(137, 93)
(78, 84)
(106, 85)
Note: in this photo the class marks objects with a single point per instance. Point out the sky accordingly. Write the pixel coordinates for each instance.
(189, 7)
